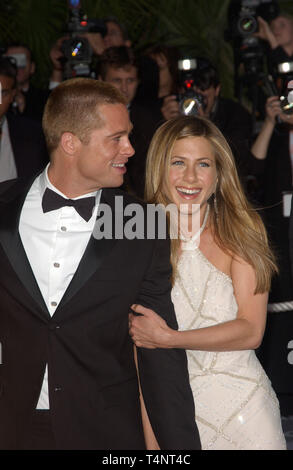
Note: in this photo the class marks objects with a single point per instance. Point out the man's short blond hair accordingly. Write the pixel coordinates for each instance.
(73, 106)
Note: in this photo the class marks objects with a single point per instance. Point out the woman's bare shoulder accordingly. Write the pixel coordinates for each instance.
(218, 256)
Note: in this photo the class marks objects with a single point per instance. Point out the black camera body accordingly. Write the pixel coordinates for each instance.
(247, 22)
(189, 101)
(283, 90)
(77, 51)
(243, 15)
(243, 24)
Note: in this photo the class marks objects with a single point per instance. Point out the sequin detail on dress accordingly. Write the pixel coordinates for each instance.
(236, 407)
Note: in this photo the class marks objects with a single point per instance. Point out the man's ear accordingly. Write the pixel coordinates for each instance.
(69, 143)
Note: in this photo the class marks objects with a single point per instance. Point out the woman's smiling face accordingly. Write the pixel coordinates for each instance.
(192, 173)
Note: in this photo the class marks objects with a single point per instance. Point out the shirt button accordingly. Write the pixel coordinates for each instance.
(63, 228)
(54, 304)
(56, 265)
(54, 327)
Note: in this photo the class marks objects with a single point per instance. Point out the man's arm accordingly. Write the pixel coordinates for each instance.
(163, 372)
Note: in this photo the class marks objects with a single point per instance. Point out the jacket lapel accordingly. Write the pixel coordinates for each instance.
(96, 251)
(13, 247)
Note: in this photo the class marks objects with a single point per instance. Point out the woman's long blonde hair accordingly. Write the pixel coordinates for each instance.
(237, 227)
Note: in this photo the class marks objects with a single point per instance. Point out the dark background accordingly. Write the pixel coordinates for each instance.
(196, 27)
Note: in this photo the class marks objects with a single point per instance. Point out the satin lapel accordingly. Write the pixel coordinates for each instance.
(13, 247)
(94, 255)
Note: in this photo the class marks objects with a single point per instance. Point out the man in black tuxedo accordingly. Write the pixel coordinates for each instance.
(68, 378)
(22, 146)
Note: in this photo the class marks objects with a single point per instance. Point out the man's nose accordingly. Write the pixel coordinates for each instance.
(124, 87)
(128, 148)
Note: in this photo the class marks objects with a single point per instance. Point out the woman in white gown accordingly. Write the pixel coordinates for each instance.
(221, 281)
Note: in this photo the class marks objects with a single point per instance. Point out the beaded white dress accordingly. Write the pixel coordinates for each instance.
(236, 407)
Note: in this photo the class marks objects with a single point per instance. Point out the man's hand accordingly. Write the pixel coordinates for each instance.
(170, 108)
(56, 53)
(96, 42)
(266, 33)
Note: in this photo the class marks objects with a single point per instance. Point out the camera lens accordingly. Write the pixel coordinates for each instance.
(247, 25)
(286, 106)
(189, 106)
(76, 48)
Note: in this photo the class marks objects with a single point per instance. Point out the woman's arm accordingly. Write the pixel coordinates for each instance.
(245, 332)
(260, 147)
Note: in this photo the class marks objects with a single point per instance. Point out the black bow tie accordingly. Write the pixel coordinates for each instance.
(84, 206)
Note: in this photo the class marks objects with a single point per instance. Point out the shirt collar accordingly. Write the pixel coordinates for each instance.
(45, 183)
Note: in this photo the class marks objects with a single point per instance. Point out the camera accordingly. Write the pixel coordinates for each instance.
(189, 101)
(247, 22)
(243, 23)
(285, 88)
(242, 16)
(285, 70)
(77, 51)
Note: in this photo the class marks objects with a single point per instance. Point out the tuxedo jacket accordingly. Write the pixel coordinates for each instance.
(28, 145)
(93, 386)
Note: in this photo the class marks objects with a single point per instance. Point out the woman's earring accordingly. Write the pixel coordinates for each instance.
(216, 206)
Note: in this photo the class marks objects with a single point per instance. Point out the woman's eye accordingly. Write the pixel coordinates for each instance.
(177, 162)
(204, 164)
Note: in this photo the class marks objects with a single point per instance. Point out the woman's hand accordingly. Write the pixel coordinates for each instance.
(273, 108)
(149, 330)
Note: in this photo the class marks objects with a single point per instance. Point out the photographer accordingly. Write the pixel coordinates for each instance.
(120, 67)
(57, 56)
(115, 35)
(278, 33)
(274, 152)
(22, 145)
(29, 101)
(233, 119)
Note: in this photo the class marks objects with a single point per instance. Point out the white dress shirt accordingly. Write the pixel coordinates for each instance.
(7, 161)
(54, 243)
